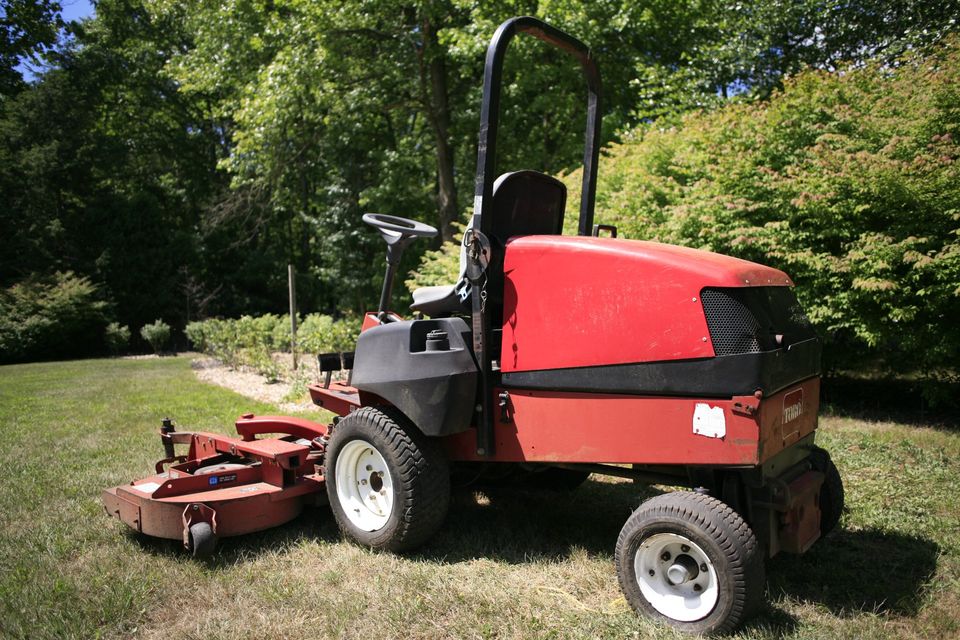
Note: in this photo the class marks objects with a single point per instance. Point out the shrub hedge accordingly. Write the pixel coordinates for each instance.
(250, 341)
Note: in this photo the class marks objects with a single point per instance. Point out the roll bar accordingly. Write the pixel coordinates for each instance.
(490, 116)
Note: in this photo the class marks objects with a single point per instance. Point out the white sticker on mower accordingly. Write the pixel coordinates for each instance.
(709, 421)
(147, 487)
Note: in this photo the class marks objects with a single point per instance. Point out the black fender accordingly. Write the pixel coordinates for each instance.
(434, 385)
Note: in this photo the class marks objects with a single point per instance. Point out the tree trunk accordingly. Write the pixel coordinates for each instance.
(433, 68)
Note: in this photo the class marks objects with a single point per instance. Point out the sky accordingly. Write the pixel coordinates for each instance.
(76, 9)
(72, 10)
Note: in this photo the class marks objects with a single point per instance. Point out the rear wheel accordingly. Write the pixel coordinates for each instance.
(691, 561)
(388, 485)
(831, 492)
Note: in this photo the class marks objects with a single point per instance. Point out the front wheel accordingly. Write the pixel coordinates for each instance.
(388, 485)
(691, 561)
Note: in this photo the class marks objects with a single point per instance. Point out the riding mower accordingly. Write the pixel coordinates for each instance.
(658, 363)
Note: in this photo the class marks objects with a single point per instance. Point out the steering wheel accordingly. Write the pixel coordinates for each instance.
(395, 227)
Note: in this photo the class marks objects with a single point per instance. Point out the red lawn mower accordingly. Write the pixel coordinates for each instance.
(553, 357)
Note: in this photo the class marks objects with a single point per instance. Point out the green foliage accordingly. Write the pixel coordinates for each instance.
(117, 337)
(438, 267)
(56, 317)
(196, 335)
(849, 182)
(157, 334)
(322, 334)
(182, 154)
(105, 168)
(28, 28)
(251, 341)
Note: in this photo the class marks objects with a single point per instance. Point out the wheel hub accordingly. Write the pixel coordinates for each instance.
(676, 577)
(683, 570)
(364, 485)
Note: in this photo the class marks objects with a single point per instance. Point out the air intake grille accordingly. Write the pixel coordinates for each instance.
(749, 319)
(733, 327)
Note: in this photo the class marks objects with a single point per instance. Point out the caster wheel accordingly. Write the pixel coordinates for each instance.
(203, 541)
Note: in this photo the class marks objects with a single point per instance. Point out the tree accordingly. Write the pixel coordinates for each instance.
(106, 167)
(28, 29)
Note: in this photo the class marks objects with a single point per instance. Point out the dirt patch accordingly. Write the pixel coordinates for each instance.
(284, 394)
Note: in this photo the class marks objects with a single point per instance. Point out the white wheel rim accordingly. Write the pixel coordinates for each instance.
(364, 485)
(664, 565)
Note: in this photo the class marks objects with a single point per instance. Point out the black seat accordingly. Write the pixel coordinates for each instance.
(525, 203)
(441, 300)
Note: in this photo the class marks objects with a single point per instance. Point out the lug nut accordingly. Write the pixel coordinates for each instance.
(363, 481)
(665, 556)
(697, 587)
(369, 468)
(684, 548)
(703, 567)
(652, 572)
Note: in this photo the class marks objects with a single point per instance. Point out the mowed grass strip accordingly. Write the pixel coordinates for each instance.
(508, 564)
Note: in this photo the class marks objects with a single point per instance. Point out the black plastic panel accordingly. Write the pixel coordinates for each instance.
(435, 389)
(720, 377)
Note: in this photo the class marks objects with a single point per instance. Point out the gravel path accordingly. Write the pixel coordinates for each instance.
(253, 385)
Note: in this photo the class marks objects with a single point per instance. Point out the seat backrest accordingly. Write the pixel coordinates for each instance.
(527, 203)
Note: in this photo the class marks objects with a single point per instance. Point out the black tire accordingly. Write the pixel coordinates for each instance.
(557, 479)
(718, 532)
(831, 493)
(418, 469)
(203, 542)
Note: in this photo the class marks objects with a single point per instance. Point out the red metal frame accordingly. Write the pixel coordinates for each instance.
(565, 427)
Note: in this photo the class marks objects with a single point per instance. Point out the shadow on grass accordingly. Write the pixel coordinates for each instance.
(854, 571)
(516, 525)
(848, 572)
(315, 524)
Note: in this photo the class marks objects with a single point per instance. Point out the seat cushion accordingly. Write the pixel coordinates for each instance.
(438, 301)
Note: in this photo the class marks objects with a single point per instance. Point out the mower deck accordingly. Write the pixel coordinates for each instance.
(233, 485)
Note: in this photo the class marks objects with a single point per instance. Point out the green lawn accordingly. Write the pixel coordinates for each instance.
(511, 565)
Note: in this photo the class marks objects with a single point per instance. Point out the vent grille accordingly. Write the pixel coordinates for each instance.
(749, 319)
(733, 327)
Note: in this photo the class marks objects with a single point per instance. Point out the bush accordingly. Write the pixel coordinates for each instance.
(195, 332)
(156, 334)
(438, 267)
(251, 341)
(848, 182)
(281, 332)
(322, 334)
(52, 317)
(118, 337)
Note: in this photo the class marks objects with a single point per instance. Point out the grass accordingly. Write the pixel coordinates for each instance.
(510, 565)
